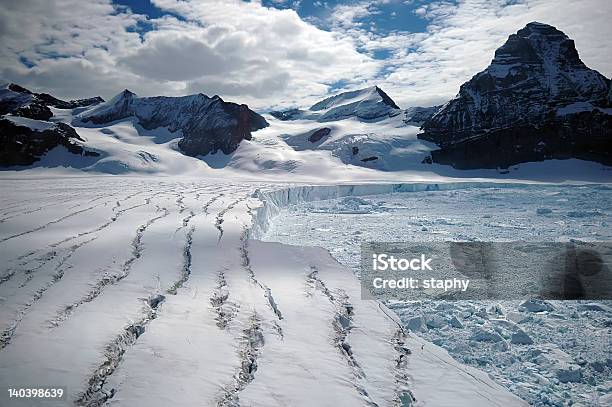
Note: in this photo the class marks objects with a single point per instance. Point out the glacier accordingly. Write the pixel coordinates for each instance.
(127, 289)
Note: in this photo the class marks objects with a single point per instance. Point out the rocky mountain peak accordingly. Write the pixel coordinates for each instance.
(535, 81)
(385, 98)
(125, 94)
(551, 58)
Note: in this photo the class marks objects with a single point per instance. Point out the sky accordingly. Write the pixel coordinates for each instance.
(275, 54)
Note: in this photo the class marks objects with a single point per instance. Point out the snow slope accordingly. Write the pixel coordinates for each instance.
(284, 150)
(141, 291)
(369, 104)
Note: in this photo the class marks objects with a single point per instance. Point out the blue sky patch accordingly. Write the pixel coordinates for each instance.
(383, 19)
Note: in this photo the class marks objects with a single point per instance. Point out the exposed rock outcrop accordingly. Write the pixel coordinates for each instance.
(23, 145)
(319, 134)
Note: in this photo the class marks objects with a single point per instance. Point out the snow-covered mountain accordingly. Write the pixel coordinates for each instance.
(418, 115)
(19, 101)
(207, 124)
(34, 124)
(537, 100)
(364, 128)
(370, 104)
(388, 144)
(28, 129)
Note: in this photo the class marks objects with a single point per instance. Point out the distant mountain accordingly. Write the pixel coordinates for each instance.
(26, 132)
(537, 100)
(418, 115)
(207, 124)
(20, 101)
(369, 104)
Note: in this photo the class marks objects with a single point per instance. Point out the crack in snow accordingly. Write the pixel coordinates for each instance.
(187, 260)
(53, 253)
(53, 222)
(246, 263)
(252, 343)
(210, 202)
(27, 212)
(225, 310)
(342, 325)
(137, 249)
(96, 394)
(7, 335)
(403, 395)
(220, 217)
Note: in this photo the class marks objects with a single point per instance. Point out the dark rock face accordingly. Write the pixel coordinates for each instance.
(34, 110)
(371, 158)
(20, 145)
(118, 108)
(207, 124)
(537, 100)
(386, 99)
(85, 102)
(319, 134)
(525, 143)
(24, 145)
(19, 89)
(227, 136)
(48, 100)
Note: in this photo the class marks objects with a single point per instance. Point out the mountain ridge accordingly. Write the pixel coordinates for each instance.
(369, 104)
(207, 124)
(19, 101)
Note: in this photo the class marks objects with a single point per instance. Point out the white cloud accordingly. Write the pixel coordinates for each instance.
(183, 56)
(266, 57)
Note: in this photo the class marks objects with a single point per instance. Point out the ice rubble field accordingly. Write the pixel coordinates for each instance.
(150, 292)
(569, 361)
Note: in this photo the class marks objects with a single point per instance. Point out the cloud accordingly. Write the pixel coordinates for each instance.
(181, 56)
(268, 57)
